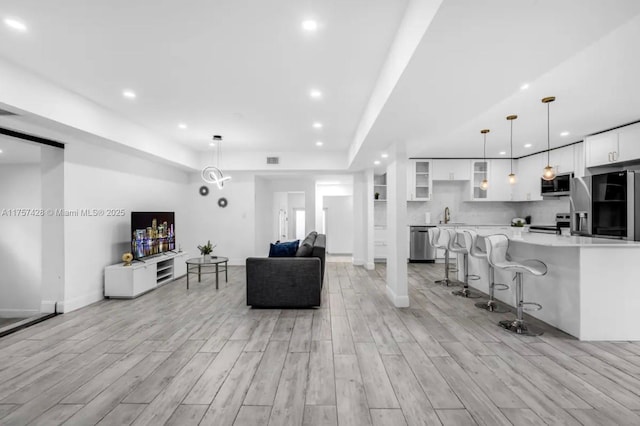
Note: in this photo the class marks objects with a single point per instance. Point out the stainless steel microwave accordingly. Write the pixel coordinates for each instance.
(558, 186)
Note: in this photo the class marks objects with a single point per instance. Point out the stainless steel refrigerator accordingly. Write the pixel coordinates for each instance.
(606, 205)
(580, 205)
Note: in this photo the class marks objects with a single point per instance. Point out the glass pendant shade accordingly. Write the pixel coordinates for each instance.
(512, 176)
(485, 183)
(548, 173)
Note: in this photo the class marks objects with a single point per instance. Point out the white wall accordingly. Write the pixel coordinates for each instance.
(360, 216)
(98, 178)
(339, 223)
(266, 209)
(20, 254)
(263, 206)
(231, 228)
(280, 212)
(323, 190)
(295, 201)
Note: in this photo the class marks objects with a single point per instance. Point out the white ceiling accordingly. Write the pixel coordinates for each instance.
(243, 69)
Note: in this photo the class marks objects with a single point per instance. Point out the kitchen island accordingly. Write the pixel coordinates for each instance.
(591, 289)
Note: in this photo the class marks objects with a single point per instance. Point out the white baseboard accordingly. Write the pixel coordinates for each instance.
(18, 313)
(398, 301)
(80, 302)
(370, 266)
(48, 306)
(357, 262)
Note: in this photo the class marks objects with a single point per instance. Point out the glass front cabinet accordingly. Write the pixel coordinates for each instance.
(479, 172)
(419, 180)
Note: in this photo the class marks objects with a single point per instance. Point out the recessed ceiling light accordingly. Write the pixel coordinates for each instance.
(130, 94)
(565, 133)
(376, 162)
(317, 125)
(315, 94)
(503, 152)
(15, 24)
(528, 145)
(309, 25)
(319, 143)
(0, 151)
(182, 126)
(384, 155)
(524, 86)
(212, 144)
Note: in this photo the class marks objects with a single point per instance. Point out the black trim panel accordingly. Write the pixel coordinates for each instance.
(27, 137)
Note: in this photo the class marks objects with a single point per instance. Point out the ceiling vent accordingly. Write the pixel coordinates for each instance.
(273, 160)
(5, 112)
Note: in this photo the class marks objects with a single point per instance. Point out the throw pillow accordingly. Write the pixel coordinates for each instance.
(304, 250)
(310, 240)
(287, 249)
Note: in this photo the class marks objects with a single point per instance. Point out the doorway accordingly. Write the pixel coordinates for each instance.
(299, 226)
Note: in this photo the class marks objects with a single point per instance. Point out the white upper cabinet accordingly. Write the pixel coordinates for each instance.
(419, 178)
(614, 146)
(528, 175)
(479, 172)
(380, 187)
(601, 149)
(629, 143)
(499, 187)
(451, 170)
(563, 159)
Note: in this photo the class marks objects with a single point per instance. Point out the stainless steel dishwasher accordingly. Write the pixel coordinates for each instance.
(420, 248)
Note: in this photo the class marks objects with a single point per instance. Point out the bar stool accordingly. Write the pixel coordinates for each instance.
(456, 247)
(497, 246)
(440, 239)
(471, 240)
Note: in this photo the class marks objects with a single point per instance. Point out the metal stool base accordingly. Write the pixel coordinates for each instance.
(464, 292)
(519, 327)
(492, 306)
(444, 282)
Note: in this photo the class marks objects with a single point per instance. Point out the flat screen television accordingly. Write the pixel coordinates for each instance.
(152, 233)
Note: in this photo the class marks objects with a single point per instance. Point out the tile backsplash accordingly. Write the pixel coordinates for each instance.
(452, 194)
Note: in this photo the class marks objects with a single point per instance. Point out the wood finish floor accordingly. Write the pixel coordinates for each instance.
(201, 356)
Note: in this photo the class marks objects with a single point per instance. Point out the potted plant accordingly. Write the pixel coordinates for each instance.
(205, 250)
(517, 226)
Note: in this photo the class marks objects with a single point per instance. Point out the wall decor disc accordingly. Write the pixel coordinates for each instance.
(204, 190)
(222, 202)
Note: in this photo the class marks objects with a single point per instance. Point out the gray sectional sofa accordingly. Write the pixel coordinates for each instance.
(288, 282)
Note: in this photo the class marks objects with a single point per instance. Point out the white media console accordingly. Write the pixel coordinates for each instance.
(142, 276)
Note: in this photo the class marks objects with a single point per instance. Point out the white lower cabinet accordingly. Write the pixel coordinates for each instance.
(140, 277)
(380, 242)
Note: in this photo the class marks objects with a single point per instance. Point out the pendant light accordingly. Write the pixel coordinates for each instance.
(213, 174)
(485, 183)
(512, 176)
(548, 173)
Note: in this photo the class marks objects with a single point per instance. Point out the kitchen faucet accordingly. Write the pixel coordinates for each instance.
(447, 215)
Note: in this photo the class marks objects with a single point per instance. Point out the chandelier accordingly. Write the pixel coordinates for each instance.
(213, 174)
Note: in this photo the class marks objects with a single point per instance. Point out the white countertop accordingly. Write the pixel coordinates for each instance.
(552, 240)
